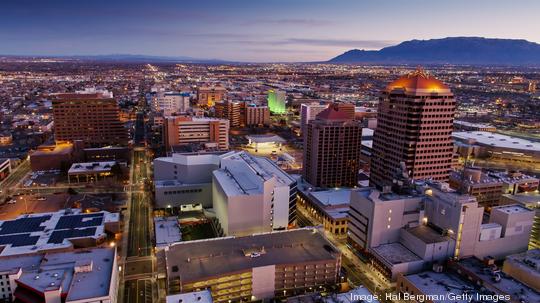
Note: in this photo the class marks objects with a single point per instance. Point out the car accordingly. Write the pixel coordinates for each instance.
(12, 201)
(41, 198)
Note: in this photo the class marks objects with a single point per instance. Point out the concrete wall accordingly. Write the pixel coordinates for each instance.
(175, 200)
(281, 207)
(263, 282)
(502, 247)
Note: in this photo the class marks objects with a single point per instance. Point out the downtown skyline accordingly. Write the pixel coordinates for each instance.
(273, 31)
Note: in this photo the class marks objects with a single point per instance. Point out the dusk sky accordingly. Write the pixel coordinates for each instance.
(251, 30)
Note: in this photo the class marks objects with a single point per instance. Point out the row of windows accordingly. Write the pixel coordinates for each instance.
(183, 191)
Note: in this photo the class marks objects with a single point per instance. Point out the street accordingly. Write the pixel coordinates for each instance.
(139, 266)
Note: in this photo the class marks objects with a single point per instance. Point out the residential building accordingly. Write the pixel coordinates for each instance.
(414, 127)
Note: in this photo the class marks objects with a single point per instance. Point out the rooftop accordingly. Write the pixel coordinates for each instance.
(511, 209)
(529, 261)
(427, 234)
(73, 271)
(91, 167)
(506, 285)
(497, 140)
(203, 296)
(440, 284)
(418, 81)
(395, 253)
(197, 260)
(167, 230)
(244, 174)
(46, 231)
(265, 139)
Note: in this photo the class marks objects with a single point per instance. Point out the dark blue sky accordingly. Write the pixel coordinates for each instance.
(251, 30)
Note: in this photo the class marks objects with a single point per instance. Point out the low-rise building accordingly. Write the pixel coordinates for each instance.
(327, 207)
(255, 267)
(472, 181)
(524, 267)
(58, 231)
(486, 274)
(167, 231)
(91, 171)
(80, 276)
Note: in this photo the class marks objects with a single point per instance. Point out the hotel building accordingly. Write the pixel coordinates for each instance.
(93, 118)
(332, 150)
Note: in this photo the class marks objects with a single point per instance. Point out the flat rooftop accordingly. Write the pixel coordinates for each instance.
(81, 274)
(36, 233)
(265, 139)
(203, 296)
(395, 253)
(197, 260)
(91, 167)
(512, 209)
(530, 199)
(529, 261)
(427, 234)
(506, 285)
(497, 140)
(244, 174)
(440, 284)
(167, 230)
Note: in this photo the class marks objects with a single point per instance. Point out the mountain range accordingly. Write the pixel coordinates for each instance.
(451, 50)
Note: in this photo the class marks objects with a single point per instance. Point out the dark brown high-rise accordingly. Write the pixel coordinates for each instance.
(332, 149)
(414, 127)
(92, 118)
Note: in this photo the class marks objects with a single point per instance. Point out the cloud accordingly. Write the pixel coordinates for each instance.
(366, 44)
(371, 44)
(289, 22)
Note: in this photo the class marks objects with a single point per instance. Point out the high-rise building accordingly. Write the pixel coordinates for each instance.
(183, 130)
(348, 109)
(332, 150)
(209, 95)
(414, 128)
(308, 113)
(241, 113)
(276, 101)
(256, 115)
(230, 110)
(92, 118)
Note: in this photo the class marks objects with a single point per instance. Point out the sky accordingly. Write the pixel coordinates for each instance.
(251, 30)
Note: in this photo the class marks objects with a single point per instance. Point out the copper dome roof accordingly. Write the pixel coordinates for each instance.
(418, 80)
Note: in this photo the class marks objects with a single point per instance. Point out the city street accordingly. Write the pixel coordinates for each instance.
(358, 272)
(139, 266)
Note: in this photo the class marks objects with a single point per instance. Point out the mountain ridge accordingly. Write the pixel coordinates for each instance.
(450, 50)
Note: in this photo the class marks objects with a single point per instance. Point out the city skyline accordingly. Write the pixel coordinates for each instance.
(274, 31)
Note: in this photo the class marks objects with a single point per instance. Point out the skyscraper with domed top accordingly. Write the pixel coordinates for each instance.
(414, 128)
